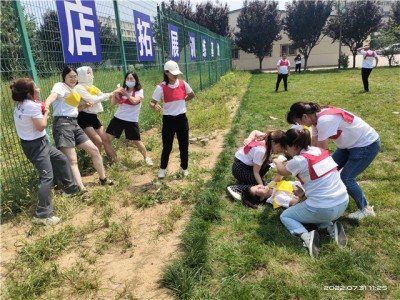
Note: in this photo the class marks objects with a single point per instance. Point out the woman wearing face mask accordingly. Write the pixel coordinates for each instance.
(66, 132)
(89, 107)
(126, 118)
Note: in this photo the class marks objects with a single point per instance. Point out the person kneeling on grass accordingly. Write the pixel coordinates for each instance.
(326, 194)
(30, 118)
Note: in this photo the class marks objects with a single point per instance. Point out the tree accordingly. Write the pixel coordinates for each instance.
(259, 26)
(213, 16)
(356, 22)
(182, 7)
(304, 24)
(384, 39)
(394, 18)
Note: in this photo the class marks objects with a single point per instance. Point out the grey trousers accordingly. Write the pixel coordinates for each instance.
(47, 159)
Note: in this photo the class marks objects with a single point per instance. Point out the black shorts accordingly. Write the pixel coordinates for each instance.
(116, 127)
(88, 120)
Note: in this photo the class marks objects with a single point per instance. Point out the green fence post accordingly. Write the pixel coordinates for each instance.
(184, 49)
(121, 42)
(199, 59)
(161, 34)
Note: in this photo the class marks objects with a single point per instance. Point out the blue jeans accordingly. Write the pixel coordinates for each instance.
(352, 162)
(295, 216)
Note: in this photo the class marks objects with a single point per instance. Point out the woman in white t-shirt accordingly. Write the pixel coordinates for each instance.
(252, 160)
(357, 144)
(126, 118)
(174, 93)
(66, 132)
(326, 195)
(89, 107)
(30, 118)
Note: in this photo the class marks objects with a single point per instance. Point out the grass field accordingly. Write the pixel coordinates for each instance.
(232, 252)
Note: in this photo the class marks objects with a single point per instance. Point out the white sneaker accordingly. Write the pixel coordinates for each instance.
(46, 221)
(361, 214)
(148, 161)
(235, 195)
(336, 231)
(161, 173)
(185, 172)
(311, 242)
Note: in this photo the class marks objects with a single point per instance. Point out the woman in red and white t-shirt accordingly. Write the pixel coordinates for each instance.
(283, 68)
(126, 118)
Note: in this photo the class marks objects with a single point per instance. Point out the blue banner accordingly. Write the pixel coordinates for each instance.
(204, 47)
(144, 36)
(173, 42)
(79, 31)
(192, 45)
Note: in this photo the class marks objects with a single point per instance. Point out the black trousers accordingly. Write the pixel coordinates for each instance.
(365, 72)
(171, 125)
(298, 67)
(280, 77)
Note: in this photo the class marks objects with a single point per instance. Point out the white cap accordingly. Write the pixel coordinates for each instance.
(172, 67)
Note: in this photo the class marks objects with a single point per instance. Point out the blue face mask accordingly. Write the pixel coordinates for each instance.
(130, 84)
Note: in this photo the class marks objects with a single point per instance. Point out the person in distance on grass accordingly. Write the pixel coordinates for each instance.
(297, 61)
(66, 132)
(357, 144)
(129, 98)
(174, 92)
(326, 195)
(283, 69)
(89, 107)
(367, 64)
(30, 118)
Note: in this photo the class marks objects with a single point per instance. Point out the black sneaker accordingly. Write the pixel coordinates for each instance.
(105, 181)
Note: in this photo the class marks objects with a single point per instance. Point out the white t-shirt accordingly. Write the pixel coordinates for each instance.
(326, 191)
(173, 108)
(60, 108)
(283, 69)
(24, 112)
(368, 62)
(356, 134)
(254, 156)
(87, 97)
(128, 112)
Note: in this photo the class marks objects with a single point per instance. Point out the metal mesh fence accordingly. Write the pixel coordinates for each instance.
(41, 44)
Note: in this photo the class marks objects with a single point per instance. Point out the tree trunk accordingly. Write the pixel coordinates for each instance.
(261, 60)
(305, 62)
(354, 57)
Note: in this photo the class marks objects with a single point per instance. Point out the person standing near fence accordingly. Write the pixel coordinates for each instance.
(66, 132)
(283, 68)
(174, 93)
(30, 118)
(89, 107)
(126, 118)
(367, 64)
(297, 61)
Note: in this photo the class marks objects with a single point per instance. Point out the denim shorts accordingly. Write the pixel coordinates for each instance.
(67, 133)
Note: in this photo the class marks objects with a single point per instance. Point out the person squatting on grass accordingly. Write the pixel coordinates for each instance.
(367, 64)
(252, 160)
(89, 107)
(129, 98)
(30, 118)
(326, 195)
(174, 93)
(66, 132)
(357, 144)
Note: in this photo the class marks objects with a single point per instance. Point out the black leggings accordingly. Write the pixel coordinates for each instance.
(280, 77)
(365, 74)
(298, 68)
(171, 125)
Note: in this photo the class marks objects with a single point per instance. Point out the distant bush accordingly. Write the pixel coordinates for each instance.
(344, 61)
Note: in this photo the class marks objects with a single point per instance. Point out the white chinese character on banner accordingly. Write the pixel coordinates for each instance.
(192, 46)
(218, 54)
(203, 43)
(76, 35)
(144, 38)
(212, 48)
(174, 44)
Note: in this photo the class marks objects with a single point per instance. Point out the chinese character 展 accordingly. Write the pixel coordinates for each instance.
(174, 44)
(212, 48)
(144, 38)
(192, 46)
(76, 35)
(203, 42)
(218, 49)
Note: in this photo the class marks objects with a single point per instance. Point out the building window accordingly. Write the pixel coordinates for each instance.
(288, 49)
(235, 52)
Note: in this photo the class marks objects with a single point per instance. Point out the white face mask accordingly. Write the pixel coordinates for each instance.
(130, 84)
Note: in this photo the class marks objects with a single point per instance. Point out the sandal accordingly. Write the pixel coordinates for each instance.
(105, 181)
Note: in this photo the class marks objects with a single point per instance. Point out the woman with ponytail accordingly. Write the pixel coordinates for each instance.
(326, 195)
(357, 144)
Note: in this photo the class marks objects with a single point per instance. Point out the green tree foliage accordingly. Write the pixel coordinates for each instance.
(357, 21)
(213, 15)
(182, 7)
(304, 24)
(394, 18)
(259, 26)
(384, 40)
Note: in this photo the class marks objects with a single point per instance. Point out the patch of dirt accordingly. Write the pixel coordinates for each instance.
(137, 271)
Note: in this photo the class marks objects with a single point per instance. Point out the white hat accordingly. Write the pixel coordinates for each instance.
(172, 67)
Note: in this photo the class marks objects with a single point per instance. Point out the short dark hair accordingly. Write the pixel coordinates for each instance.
(21, 88)
(138, 86)
(250, 199)
(67, 70)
